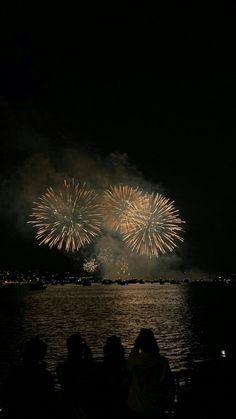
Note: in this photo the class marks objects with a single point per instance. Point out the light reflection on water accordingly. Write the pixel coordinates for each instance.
(181, 316)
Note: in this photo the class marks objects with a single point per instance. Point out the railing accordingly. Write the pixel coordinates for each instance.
(183, 380)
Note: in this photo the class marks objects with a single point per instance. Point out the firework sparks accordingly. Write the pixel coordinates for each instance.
(90, 265)
(105, 255)
(116, 204)
(153, 227)
(68, 218)
(122, 268)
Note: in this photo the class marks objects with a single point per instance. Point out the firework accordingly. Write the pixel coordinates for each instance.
(122, 268)
(68, 218)
(153, 227)
(90, 265)
(116, 204)
(105, 255)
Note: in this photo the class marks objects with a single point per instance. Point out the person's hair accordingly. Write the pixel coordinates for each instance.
(113, 349)
(146, 341)
(74, 343)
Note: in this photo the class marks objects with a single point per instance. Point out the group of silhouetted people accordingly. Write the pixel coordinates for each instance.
(140, 386)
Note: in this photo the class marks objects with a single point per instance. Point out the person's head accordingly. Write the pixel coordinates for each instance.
(146, 341)
(113, 349)
(35, 351)
(75, 344)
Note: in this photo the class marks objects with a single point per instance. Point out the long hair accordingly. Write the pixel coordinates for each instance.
(146, 342)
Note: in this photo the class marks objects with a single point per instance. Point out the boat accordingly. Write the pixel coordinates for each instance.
(107, 282)
(86, 283)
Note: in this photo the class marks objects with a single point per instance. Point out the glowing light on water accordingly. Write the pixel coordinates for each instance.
(68, 218)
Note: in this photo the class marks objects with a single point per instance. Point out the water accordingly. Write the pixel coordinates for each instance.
(190, 321)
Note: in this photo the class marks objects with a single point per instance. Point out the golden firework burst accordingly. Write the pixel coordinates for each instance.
(68, 218)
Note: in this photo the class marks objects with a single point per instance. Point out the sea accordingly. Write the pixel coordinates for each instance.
(191, 321)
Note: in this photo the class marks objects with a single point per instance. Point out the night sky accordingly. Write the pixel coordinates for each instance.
(156, 83)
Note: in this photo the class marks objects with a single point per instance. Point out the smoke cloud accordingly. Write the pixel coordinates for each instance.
(43, 164)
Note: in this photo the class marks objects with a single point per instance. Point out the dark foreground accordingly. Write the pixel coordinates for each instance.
(207, 392)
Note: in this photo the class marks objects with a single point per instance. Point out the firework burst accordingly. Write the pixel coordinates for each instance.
(122, 268)
(68, 218)
(153, 227)
(90, 265)
(116, 203)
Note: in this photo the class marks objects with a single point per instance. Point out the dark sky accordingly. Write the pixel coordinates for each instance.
(157, 83)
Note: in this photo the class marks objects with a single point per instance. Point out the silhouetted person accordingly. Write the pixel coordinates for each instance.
(113, 351)
(29, 390)
(113, 377)
(151, 389)
(75, 374)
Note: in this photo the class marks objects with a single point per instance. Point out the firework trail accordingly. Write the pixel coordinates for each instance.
(115, 206)
(68, 218)
(153, 227)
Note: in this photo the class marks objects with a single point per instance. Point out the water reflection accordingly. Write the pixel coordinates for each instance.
(181, 317)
